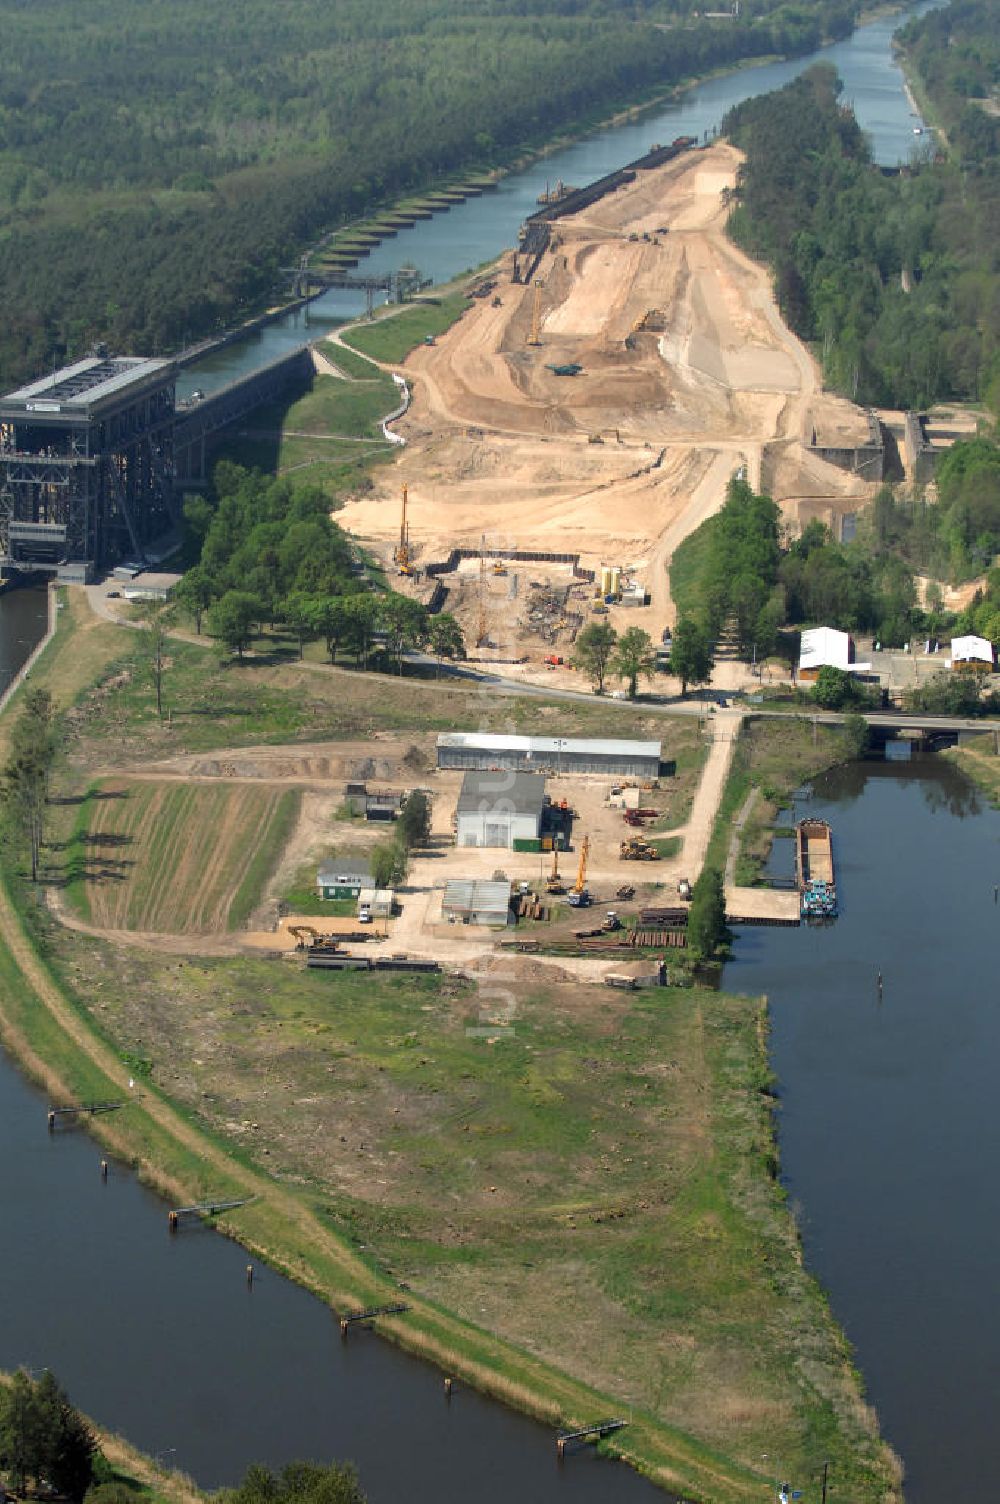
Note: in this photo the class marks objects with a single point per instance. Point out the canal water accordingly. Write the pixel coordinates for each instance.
(888, 1124)
(23, 620)
(479, 229)
(158, 1337)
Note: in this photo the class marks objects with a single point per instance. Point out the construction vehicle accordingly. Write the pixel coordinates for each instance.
(553, 660)
(611, 921)
(625, 891)
(554, 883)
(301, 931)
(401, 554)
(579, 897)
(499, 567)
(684, 888)
(636, 849)
(310, 939)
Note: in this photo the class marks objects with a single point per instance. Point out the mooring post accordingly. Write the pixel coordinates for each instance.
(447, 1388)
(104, 1169)
(249, 1276)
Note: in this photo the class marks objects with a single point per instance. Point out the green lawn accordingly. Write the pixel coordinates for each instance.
(391, 338)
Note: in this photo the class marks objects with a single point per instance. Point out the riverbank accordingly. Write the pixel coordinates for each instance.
(979, 760)
(60, 1016)
(141, 1475)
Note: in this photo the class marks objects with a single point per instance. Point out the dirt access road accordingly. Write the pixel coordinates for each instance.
(687, 374)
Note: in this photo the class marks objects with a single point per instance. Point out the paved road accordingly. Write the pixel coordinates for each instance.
(705, 703)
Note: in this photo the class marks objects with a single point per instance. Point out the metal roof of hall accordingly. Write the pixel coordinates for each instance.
(476, 893)
(89, 381)
(538, 746)
(515, 793)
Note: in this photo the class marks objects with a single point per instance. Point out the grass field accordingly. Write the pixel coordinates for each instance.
(327, 436)
(391, 339)
(177, 858)
(612, 1153)
(585, 1212)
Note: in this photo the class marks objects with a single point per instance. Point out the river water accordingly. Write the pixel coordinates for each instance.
(888, 1124)
(886, 1111)
(158, 1337)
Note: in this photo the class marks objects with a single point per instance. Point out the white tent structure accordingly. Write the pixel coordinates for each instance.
(972, 652)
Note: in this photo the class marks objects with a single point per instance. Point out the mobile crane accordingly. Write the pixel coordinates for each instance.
(578, 896)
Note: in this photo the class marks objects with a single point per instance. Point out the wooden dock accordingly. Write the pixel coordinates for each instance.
(587, 1434)
(762, 906)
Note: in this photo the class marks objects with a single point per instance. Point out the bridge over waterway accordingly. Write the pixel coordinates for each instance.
(200, 418)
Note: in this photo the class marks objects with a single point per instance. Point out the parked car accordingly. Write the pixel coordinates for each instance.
(364, 914)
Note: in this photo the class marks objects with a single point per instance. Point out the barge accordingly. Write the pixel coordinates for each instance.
(817, 880)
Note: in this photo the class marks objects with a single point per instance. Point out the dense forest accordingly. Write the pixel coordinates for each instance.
(892, 277)
(159, 164)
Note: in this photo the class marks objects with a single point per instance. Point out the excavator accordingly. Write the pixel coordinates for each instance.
(554, 883)
(578, 895)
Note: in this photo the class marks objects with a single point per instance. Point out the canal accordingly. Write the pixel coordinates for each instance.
(23, 620)
(887, 1119)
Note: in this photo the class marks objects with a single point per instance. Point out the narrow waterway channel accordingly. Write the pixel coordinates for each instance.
(23, 620)
(888, 1126)
(479, 229)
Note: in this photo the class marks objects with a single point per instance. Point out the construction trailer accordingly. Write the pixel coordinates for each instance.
(548, 754)
(341, 880)
(499, 809)
(87, 466)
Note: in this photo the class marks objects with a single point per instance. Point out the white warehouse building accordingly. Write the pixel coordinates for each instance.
(497, 808)
(548, 754)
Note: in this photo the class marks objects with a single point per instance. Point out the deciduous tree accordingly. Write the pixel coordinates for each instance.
(592, 654)
(633, 656)
(690, 654)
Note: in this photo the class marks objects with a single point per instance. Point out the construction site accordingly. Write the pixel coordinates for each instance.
(577, 423)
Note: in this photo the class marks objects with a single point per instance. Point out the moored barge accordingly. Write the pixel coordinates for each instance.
(817, 881)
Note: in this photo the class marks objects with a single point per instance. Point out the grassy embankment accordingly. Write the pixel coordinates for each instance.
(629, 1145)
(979, 759)
(775, 757)
(332, 434)
(146, 1481)
(391, 338)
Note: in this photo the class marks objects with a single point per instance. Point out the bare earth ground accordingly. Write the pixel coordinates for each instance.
(688, 374)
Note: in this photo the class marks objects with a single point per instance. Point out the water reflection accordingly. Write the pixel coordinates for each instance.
(888, 1123)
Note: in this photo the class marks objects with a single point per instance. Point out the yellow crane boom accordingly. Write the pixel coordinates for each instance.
(581, 872)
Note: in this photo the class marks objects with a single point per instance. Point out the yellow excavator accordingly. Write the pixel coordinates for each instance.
(579, 897)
